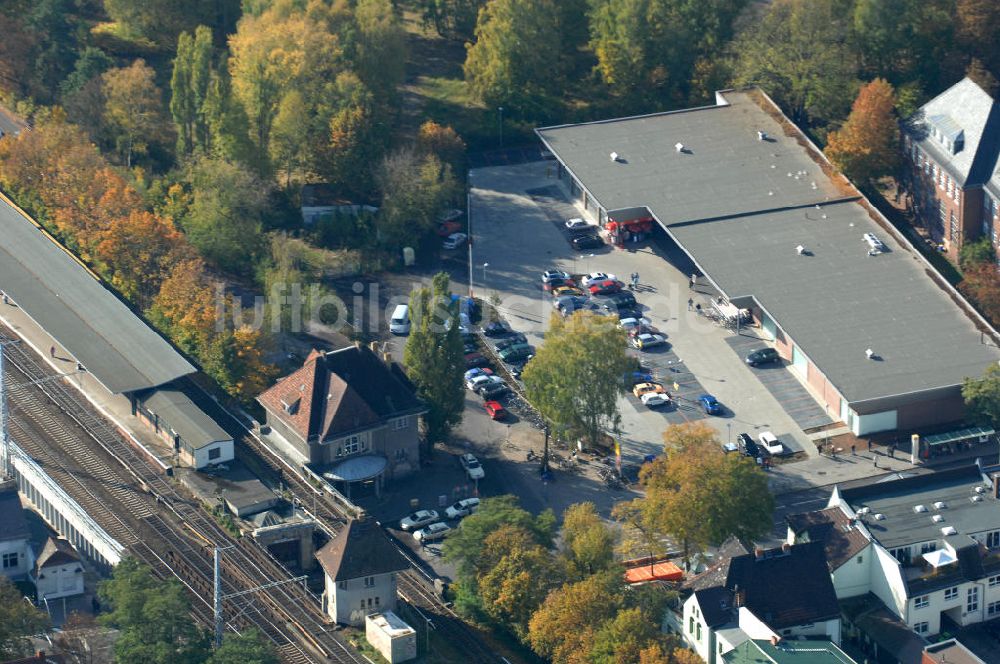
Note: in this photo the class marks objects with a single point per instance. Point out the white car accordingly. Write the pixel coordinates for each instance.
(655, 399)
(576, 223)
(770, 443)
(478, 381)
(418, 519)
(462, 508)
(435, 531)
(629, 323)
(549, 275)
(454, 241)
(644, 341)
(596, 277)
(472, 467)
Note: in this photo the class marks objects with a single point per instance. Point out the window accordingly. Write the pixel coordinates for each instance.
(353, 445)
(902, 555)
(342, 585)
(698, 632)
(922, 602)
(954, 225)
(861, 559)
(927, 547)
(994, 581)
(922, 627)
(691, 625)
(10, 560)
(993, 539)
(972, 600)
(400, 454)
(369, 581)
(993, 609)
(951, 593)
(400, 423)
(376, 601)
(215, 453)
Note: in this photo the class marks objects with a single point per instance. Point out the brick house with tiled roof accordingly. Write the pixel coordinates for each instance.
(348, 405)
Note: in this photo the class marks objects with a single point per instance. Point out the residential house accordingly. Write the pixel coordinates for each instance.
(951, 145)
(769, 594)
(350, 414)
(360, 566)
(950, 651)
(15, 540)
(761, 651)
(933, 553)
(58, 570)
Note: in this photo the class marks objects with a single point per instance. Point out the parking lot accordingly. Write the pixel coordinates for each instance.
(517, 217)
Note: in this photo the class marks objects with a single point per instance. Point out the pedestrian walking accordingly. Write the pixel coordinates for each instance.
(690, 304)
(892, 451)
(853, 453)
(692, 281)
(875, 461)
(52, 351)
(636, 279)
(697, 308)
(869, 444)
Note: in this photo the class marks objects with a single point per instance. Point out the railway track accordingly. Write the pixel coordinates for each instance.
(180, 546)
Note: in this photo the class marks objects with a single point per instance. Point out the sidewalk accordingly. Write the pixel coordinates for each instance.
(115, 408)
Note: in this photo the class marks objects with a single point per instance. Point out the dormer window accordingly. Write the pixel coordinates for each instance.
(291, 407)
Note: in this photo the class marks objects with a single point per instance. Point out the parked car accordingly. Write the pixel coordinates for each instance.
(710, 404)
(606, 287)
(495, 410)
(646, 341)
(475, 360)
(418, 519)
(647, 388)
(584, 242)
(770, 443)
(470, 346)
(513, 340)
(630, 323)
(557, 282)
(576, 224)
(435, 531)
(570, 303)
(763, 356)
(655, 399)
(447, 228)
(454, 241)
(462, 508)
(471, 465)
(635, 377)
(594, 277)
(490, 391)
(563, 291)
(548, 275)
(480, 381)
(496, 329)
(515, 352)
(747, 445)
(472, 373)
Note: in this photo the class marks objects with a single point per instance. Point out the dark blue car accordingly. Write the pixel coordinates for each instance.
(710, 404)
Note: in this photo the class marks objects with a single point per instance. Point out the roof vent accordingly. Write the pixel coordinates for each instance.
(761, 135)
(976, 499)
(614, 156)
(948, 530)
(864, 510)
(937, 518)
(940, 505)
(879, 517)
(869, 353)
(800, 250)
(919, 508)
(980, 489)
(679, 147)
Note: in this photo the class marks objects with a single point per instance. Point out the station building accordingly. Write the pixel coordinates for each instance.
(879, 338)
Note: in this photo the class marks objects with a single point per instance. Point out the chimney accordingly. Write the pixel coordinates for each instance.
(761, 135)
(373, 346)
(758, 553)
(387, 358)
(775, 640)
(786, 547)
(357, 344)
(738, 598)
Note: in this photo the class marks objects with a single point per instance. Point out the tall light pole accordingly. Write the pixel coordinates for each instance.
(500, 123)
(468, 208)
(485, 265)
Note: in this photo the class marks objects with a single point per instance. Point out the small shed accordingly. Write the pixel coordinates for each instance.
(393, 638)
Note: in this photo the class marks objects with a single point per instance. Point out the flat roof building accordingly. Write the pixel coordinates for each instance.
(882, 341)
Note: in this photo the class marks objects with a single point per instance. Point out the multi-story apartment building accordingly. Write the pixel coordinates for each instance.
(951, 147)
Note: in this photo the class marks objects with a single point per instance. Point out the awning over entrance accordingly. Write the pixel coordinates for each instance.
(357, 469)
(978, 434)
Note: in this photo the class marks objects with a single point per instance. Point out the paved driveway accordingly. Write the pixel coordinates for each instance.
(516, 216)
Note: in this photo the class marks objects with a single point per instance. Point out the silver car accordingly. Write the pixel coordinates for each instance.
(418, 519)
(435, 531)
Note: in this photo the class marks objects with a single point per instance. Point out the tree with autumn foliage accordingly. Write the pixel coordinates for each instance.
(981, 284)
(443, 141)
(867, 146)
(236, 360)
(133, 109)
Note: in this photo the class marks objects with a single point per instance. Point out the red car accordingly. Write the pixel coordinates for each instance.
(475, 360)
(606, 287)
(495, 410)
(448, 227)
(556, 282)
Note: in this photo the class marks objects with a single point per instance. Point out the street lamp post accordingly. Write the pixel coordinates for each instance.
(500, 123)
(485, 265)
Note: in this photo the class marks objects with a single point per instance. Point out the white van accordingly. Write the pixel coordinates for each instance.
(400, 321)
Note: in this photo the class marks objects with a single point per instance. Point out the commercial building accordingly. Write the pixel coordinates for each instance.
(951, 147)
(350, 414)
(879, 338)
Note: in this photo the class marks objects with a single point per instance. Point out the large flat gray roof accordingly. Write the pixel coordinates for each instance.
(75, 308)
(180, 413)
(741, 220)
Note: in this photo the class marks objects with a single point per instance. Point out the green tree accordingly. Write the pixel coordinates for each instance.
(19, 620)
(973, 254)
(867, 146)
(153, 617)
(163, 20)
(515, 59)
(563, 628)
(622, 639)
(465, 546)
(698, 495)
(290, 136)
(576, 376)
(189, 83)
(588, 542)
(433, 357)
(227, 213)
(250, 647)
(133, 109)
(455, 19)
(226, 121)
(381, 54)
(415, 188)
(798, 53)
(91, 63)
(982, 397)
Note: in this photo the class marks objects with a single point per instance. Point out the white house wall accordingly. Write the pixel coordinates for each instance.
(887, 581)
(853, 578)
(705, 646)
(201, 456)
(873, 422)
